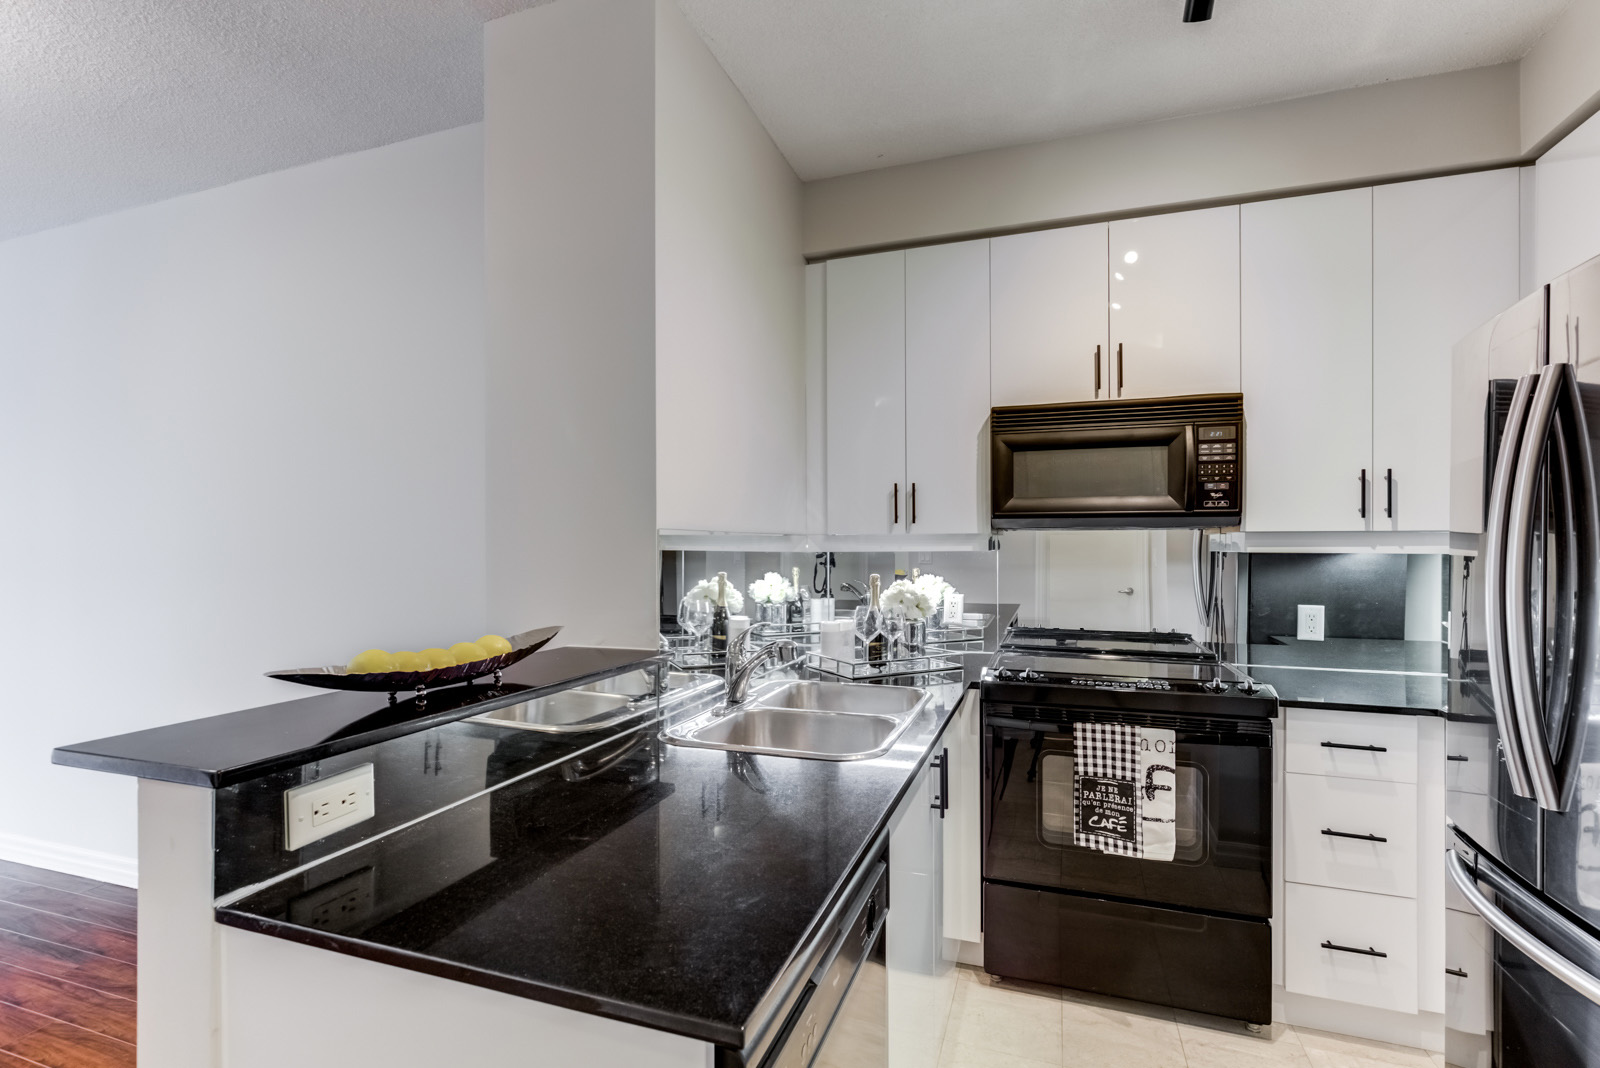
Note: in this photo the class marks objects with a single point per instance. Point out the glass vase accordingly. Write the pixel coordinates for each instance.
(769, 613)
(914, 637)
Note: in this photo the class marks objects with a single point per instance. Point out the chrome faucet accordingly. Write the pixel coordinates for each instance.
(783, 650)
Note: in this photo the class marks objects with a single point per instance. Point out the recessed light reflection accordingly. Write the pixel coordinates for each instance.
(1130, 257)
(1116, 307)
(1118, 276)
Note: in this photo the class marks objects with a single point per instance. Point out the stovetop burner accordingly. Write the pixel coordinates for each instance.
(1140, 661)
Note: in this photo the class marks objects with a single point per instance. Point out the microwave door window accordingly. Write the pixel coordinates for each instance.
(1089, 476)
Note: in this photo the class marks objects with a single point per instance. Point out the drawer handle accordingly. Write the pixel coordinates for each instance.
(1368, 952)
(1362, 748)
(1347, 834)
(1457, 972)
(1462, 759)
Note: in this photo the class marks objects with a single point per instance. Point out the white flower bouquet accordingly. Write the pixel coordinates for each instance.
(907, 599)
(706, 590)
(935, 587)
(771, 588)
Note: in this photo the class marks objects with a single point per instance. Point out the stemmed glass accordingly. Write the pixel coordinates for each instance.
(694, 616)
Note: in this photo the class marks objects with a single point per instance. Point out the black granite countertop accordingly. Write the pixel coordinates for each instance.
(662, 885)
(222, 750)
(1362, 674)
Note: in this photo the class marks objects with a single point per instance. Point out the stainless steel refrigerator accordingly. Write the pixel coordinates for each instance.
(1523, 771)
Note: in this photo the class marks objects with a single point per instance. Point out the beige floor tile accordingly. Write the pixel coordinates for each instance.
(1212, 1042)
(983, 978)
(1102, 1033)
(1438, 1060)
(1000, 1018)
(1135, 1008)
(955, 1056)
(1342, 1051)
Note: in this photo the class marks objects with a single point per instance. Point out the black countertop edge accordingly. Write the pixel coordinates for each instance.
(702, 1030)
(1356, 706)
(235, 747)
(717, 1033)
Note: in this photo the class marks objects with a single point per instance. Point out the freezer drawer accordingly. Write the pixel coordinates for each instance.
(1187, 960)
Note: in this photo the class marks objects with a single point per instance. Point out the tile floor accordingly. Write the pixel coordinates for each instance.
(1003, 1024)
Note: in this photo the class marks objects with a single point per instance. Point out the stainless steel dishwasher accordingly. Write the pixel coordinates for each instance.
(842, 1016)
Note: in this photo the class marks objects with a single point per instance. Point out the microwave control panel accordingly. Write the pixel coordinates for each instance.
(1217, 469)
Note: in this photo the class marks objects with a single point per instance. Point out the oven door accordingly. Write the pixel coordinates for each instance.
(1040, 476)
(1223, 858)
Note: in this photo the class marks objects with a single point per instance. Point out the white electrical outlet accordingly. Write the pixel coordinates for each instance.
(1310, 628)
(327, 806)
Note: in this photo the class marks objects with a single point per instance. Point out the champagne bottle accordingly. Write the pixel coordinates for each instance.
(719, 616)
(796, 612)
(877, 640)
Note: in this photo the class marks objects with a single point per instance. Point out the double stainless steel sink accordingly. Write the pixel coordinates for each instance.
(803, 718)
(598, 705)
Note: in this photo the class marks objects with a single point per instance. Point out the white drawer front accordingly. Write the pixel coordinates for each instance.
(1362, 745)
(1315, 915)
(1467, 948)
(1475, 814)
(1469, 757)
(1321, 812)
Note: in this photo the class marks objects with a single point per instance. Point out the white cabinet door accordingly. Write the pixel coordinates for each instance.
(866, 389)
(963, 834)
(947, 388)
(1444, 260)
(1516, 340)
(921, 982)
(1047, 295)
(1574, 301)
(1174, 304)
(1306, 311)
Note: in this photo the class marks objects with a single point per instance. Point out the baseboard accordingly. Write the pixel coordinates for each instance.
(1422, 1030)
(88, 863)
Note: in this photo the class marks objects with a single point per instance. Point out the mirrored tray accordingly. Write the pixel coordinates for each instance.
(391, 682)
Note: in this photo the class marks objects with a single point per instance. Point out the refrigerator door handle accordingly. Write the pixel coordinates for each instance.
(1495, 593)
(1512, 932)
(1579, 633)
(1521, 650)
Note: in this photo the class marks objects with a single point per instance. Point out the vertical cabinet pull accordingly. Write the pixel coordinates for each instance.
(1362, 507)
(913, 503)
(1388, 493)
(1097, 370)
(897, 502)
(1119, 368)
(942, 802)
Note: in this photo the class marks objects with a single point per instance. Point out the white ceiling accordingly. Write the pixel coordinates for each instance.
(849, 85)
(105, 104)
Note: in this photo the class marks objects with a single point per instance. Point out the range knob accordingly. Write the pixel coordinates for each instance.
(1214, 686)
(1249, 686)
(1004, 673)
(1032, 676)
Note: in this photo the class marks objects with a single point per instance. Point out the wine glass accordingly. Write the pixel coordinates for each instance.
(694, 616)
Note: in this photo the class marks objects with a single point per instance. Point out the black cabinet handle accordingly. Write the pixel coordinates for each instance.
(1388, 498)
(1462, 759)
(1347, 834)
(913, 503)
(1097, 370)
(1362, 508)
(1455, 972)
(1362, 748)
(942, 802)
(897, 502)
(1368, 952)
(1119, 368)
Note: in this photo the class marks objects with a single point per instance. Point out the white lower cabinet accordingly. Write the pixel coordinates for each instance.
(1468, 971)
(1356, 834)
(963, 835)
(1348, 946)
(1360, 745)
(921, 982)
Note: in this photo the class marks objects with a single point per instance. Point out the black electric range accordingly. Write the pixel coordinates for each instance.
(1192, 931)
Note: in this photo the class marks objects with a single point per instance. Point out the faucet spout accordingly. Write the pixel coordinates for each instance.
(783, 650)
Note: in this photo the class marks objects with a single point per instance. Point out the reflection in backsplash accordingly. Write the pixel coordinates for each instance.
(1363, 595)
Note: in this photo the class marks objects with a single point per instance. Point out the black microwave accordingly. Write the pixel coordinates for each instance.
(1156, 462)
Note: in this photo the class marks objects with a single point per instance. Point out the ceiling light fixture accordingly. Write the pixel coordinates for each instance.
(1197, 10)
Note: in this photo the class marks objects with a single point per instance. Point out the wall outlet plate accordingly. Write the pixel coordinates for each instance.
(1310, 625)
(327, 806)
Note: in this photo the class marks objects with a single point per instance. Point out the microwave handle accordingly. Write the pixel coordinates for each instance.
(1097, 370)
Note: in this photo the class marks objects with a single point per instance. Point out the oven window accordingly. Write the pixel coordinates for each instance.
(1055, 806)
(1072, 474)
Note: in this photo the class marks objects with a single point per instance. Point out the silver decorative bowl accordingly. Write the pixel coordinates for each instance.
(391, 682)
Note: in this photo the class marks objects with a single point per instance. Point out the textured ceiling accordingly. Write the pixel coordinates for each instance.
(848, 85)
(106, 104)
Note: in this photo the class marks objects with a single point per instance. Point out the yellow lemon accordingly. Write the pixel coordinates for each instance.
(468, 652)
(439, 658)
(372, 660)
(409, 661)
(494, 645)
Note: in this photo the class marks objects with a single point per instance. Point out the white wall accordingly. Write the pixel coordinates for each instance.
(730, 382)
(242, 432)
(569, 170)
(1414, 127)
(1566, 203)
(1559, 79)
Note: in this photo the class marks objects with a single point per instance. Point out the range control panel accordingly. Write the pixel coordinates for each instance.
(1217, 470)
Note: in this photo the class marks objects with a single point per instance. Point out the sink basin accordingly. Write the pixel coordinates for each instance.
(595, 706)
(819, 720)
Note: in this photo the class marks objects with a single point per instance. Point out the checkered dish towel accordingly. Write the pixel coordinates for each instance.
(1122, 789)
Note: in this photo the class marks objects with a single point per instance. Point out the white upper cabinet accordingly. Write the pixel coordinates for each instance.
(946, 388)
(1575, 302)
(866, 389)
(1048, 301)
(1174, 304)
(1306, 319)
(1444, 260)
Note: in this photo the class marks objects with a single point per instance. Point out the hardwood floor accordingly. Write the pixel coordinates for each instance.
(67, 957)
